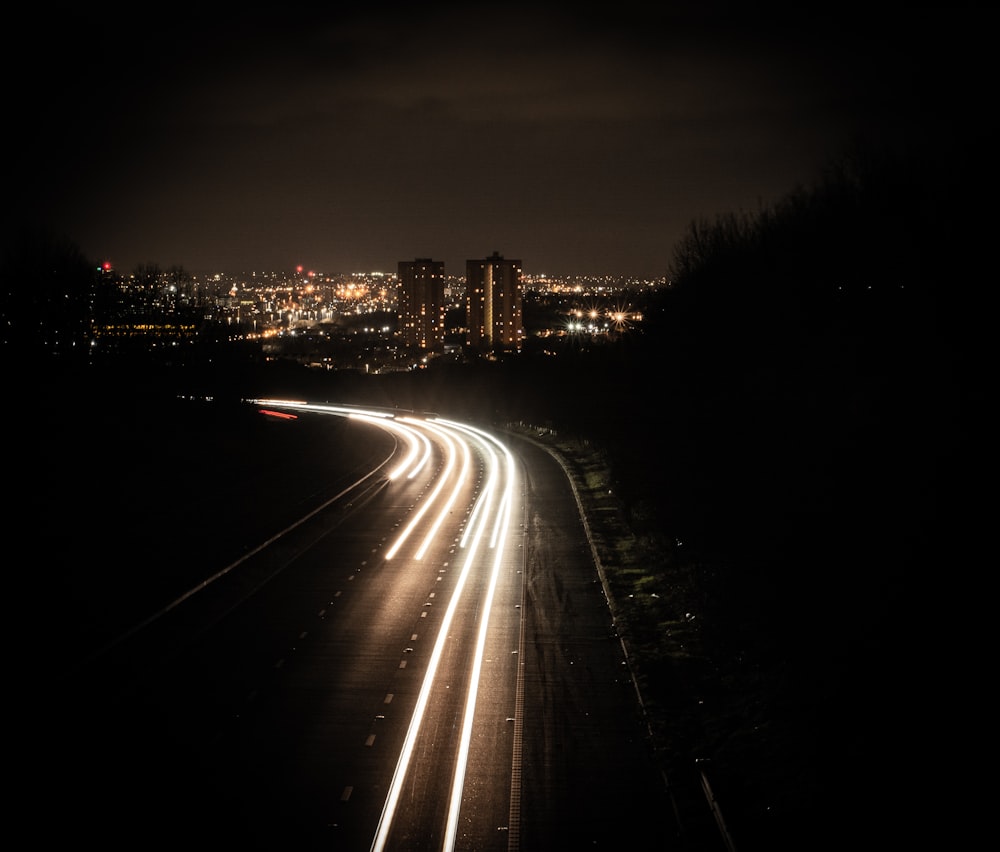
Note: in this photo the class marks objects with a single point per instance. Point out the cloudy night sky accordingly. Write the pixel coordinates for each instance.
(579, 140)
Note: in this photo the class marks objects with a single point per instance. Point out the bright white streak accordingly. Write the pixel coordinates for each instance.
(441, 480)
(410, 434)
(424, 458)
(508, 494)
(377, 418)
(402, 765)
(482, 505)
(502, 522)
(466, 463)
(485, 502)
(476, 523)
(323, 409)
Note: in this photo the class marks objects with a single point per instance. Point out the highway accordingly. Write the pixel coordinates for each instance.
(425, 661)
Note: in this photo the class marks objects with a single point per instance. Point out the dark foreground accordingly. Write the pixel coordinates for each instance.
(807, 658)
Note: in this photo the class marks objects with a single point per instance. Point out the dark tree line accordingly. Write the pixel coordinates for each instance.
(45, 297)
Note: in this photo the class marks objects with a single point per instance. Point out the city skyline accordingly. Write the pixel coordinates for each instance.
(343, 141)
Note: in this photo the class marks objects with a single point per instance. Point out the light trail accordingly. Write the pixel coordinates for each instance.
(502, 523)
(425, 506)
(487, 507)
(412, 438)
(403, 764)
(461, 480)
(424, 458)
(381, 419)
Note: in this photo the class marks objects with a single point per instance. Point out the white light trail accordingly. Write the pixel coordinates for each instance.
(382, 419)
(459, 482)
(429, 501)
(472, 538)
(402, 765)
(482, 507)
(412, 438)
(502, 523)
(424, 458)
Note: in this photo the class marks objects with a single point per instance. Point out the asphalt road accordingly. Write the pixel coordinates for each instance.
(588, 778)
(269, 709)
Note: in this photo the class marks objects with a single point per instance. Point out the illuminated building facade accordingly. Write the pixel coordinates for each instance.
(422, 303)
(494, 303)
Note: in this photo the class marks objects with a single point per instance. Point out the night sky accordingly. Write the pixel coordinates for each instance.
(581, 142)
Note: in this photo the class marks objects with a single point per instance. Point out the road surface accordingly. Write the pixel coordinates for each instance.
(426, 660)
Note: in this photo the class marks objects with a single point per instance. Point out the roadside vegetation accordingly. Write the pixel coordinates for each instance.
(761, 467)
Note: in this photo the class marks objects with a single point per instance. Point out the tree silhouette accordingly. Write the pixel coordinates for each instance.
(45, 296)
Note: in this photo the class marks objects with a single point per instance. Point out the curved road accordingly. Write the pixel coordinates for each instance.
(426, 662)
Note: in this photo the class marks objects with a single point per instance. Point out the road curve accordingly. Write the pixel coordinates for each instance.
(426, 663)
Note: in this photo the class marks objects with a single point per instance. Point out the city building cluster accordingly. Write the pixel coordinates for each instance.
(493, 301)
(373, 321)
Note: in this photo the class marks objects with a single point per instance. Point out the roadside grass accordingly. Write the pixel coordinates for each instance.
(705, 702)
(652, 594)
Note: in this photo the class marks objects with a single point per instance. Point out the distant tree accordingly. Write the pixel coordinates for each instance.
(45, 296)
(147, 280)
(874, 220)
(181, 286)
